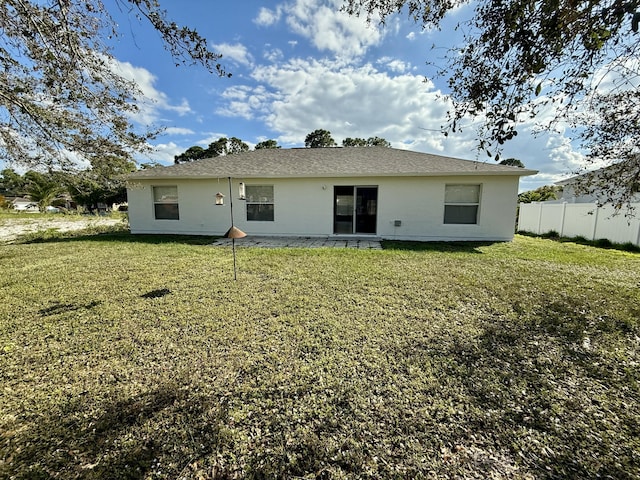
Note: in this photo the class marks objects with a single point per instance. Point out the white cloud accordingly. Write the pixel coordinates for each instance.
(153, 100)
(164, 153)
(267, 17)
(238, 92)
(76, 159)
(273, 55)
(183, 109)
(236, 52)
(395, 65)
(244, 101)
(301, 95)
(329, 29)
(622, 74)
(178, 131)
(550, 152)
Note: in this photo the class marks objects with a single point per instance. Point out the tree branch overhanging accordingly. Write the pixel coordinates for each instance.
(61, 94)
(520, 57)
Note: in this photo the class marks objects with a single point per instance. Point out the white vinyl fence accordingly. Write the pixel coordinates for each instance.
(580, 219)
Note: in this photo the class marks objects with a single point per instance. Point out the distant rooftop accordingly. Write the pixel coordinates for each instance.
(327, 162)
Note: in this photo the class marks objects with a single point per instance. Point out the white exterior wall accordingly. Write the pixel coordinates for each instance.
(579, 219)
(304, 207)
(569, 196)
(22, 205)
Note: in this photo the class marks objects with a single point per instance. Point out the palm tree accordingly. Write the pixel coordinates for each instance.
(43, 190)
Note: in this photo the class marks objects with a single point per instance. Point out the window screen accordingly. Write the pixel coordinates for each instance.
(260, 204)
(461, 204)
(165, 203)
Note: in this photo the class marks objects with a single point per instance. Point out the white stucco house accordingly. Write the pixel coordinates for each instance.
(370, 191)
(24, 205)
(588, 206)
(604, 185)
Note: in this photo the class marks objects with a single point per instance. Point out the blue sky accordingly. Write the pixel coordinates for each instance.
(301, 65)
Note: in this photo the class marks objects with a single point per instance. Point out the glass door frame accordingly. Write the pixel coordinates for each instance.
(350, 216)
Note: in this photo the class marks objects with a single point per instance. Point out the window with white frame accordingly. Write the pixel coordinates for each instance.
(165, 203)
(461, 204)
(260, 205)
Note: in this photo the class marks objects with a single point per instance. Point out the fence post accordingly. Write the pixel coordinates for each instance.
(539, 217)
(564, 210)
(595, 223)
(638, 236)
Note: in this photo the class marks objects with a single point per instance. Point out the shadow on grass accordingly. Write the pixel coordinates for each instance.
(120, 237)
(58, 307)
(156, 293)
(604, 243)
(445, 247)
(157, 239)
(546, 386)
(74, 443)
(520, 396)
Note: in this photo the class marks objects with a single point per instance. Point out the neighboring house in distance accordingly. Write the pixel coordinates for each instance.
(24, 205)
(587, 209)
(594, 187)
(367, 191)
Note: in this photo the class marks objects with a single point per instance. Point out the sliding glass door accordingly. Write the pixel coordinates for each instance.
(355, 210)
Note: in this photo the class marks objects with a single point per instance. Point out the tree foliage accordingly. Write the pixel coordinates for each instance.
(192, 153)
(235, 145)
(43, 189)
(369, 142)
(222, 146)
(354, 142)
(104, 182)
(12, 183)
(267, 144)
(59, 90)
(523, 59)
(216, 149)
(319, 139)
(541, 194)
(512, 162)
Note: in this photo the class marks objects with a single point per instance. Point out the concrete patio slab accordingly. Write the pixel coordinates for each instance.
(302, 242)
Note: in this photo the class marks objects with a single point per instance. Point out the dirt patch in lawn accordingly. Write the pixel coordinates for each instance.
(11, 229)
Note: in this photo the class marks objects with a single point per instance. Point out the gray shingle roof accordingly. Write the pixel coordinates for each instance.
(614, 172)
(327, 162)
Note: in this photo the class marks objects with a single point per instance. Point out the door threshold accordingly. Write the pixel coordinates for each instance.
(354, 236)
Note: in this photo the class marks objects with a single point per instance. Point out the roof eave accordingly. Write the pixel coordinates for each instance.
(333, 175)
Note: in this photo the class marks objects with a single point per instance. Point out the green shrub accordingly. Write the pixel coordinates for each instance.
(630, 247)
(603, 243)
(5, 204)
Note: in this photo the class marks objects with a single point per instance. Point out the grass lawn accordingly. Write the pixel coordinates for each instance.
(140, 358)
